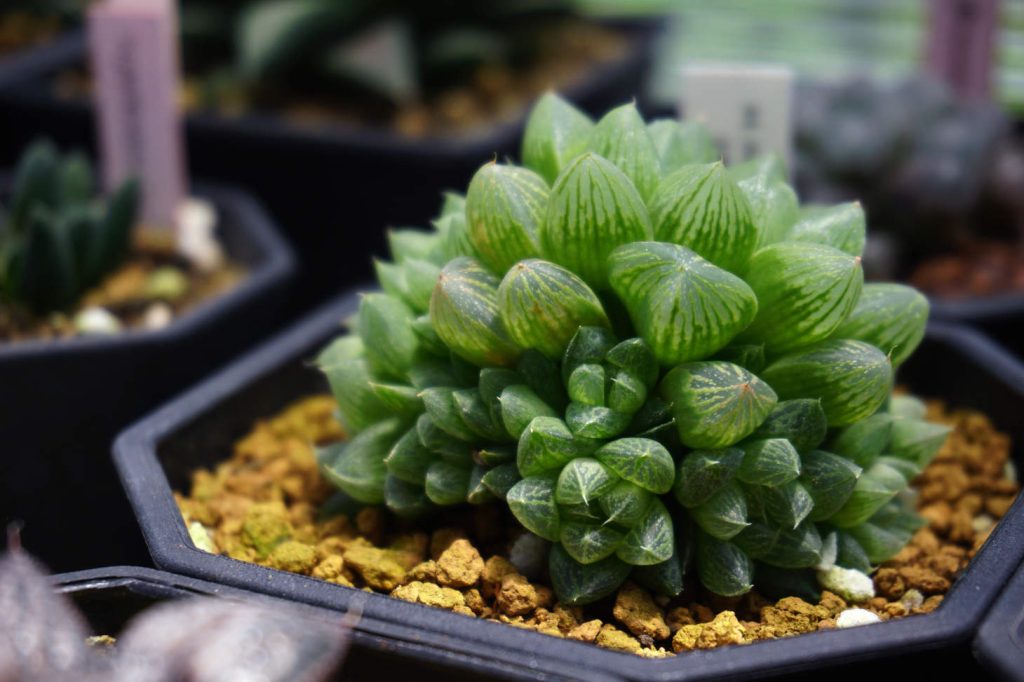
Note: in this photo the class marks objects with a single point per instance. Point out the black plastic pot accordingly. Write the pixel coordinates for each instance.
(157, 455)
(62, 402)
(1000, 641)
(110, 597)
(14, 66)
(335, 188)
(1000, 316)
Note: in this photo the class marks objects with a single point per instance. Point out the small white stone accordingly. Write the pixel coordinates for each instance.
(982, 522)
(851, 618)
(912, 599)
(157, 316)
(97, 321)
(1010, 471)
(197, 242)
(201, 537)
(848, 583)
(529, 554)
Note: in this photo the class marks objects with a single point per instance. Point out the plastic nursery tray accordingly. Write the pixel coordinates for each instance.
(1000, 641)
(158, 453)
(110, 597)
(334, 187)
(63, 401)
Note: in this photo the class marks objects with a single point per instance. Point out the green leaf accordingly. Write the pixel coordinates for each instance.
(493, 455)
(405, 499)
(492, 381)
(626, 393)
(749, 356)
(446, 414)
(787, 504)
(625, 504)
(723, 568)
(891, 317)
(111, 245)
(641, 461)
(875, 487)
(348, 374)
(635, 357)
(408, 460)
(683, 307)
(532, 501)
(906, 468)
(543, 305)
(701, 208)
(802, 422)
(577, 584)
(388, 339)
(830, 479)
(275, 33)
(464, 312)
(851, 378)
(798, 547)
(851, 555)
(556, 132)
(703, 473)
(593, 209)
(414, 244)
(586, 421)
(450, 448)
(652, 540)
(590, 542)
(589, 346)
(916, 440)
(77, 185)
(504, 208)
(478, 492)
(757, 540)
(769, 462)
(842, 227)
(542, 375)
(774, 206)
(621, 137)
(476, 415)
(447, 483)
(547, 445)
(35, 183)
(520, 406)
(804, 293)
(357, 466)
(724, 514)
(583, 480)
(863, 441)
(907, 406)
(716, 403)
(586, 384)
(500, 479)
(665, 578)
(680, 144)
(399, 400)
(47, 268)
(879, 544)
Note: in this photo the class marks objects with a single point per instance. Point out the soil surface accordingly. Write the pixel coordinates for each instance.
(152, 288)
(978, 269)
(491, 94)
(268, 504)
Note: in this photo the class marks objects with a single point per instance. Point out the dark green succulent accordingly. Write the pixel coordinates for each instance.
(655, 361)
(57, 238)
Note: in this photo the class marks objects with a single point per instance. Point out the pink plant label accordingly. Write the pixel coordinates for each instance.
(135, 64)
(961, 45)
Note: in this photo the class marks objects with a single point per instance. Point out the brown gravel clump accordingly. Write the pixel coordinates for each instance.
(263, 505)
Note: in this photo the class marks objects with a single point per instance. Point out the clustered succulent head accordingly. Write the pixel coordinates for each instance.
(56, 238)
(658, 363)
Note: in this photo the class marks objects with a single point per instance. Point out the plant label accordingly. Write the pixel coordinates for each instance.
(135, 63)
(961, 45)
(748, 109)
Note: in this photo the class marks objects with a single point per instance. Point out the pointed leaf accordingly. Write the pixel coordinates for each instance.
(625, 504)
(862, 442)
(405, 499)
(621, 137)
(802, 422)
(519, 406)
(589, 346)
(448, 447)
(652, 540)
(703, 473)
(556, 132)
(532, 501)
(583, 480)
(586, 384)
(598, 422)
(504, 208)
(388, 339)
(875, 487)
(788, 504)
(799, 547)
(830, 479)
(500, 479)
(891, 317)
(637, 358)
(589, 543)
(547, 445)
(447, 483)
(769, 461)
(348, 374)
(842, 226)
(577, 584)
(724, 514)
(917, 440)
(408, 460)
(357, 466)
(641, 461)
(723, 568)
(680, 144)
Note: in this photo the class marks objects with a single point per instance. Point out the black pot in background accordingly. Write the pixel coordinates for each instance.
(1000, 641)
(158, 454)
(62, 402)
(51, 55)
(335, 188)
(110, 597)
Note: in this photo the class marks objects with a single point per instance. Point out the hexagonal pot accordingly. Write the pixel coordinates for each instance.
(999, 645)
(63, 401)
(158, 453)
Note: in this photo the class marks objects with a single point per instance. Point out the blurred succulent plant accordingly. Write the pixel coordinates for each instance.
(653, 360)
(398, 50)
(56, 238)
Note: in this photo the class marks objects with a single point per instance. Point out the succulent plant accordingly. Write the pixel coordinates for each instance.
(658, 363)
(56, 238)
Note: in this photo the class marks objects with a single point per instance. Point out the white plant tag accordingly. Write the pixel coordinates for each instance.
(748, 109)
(133, 46)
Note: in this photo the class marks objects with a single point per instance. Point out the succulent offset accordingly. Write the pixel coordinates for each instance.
(658, 363)
(56, 239)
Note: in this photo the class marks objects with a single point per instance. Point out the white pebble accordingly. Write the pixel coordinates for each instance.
(850, 584)
(529, 554)
(982, 522)
(196, 240)
(851, 618)
(912, 599)
(157, 316)
(97, 321)
(201, 537)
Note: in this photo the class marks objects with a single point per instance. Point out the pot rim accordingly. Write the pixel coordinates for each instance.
(135, 456)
